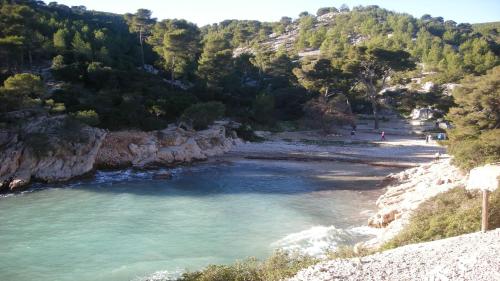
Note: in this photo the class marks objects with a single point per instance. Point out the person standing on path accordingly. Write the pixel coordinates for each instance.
(382, 136)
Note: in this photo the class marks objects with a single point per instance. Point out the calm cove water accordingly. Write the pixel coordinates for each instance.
(123, 225)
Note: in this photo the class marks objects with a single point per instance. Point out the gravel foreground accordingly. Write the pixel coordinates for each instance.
(473, 256)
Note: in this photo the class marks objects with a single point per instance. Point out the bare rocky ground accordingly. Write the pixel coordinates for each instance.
(473, 256)
(401, 148)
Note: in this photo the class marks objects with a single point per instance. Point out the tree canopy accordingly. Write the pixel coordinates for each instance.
(475, 139)
(134, 71)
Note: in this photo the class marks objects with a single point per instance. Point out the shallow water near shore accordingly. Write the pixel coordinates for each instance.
(124, 224)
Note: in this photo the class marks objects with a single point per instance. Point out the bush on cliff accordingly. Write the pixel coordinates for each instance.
(200, 115)
(89, 117)
(448, 214)
(19, 91)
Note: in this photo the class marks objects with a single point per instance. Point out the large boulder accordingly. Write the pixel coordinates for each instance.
(424, 113)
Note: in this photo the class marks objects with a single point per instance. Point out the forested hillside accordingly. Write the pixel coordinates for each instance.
(134, 71)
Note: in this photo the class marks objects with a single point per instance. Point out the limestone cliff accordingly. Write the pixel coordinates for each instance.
(48, 149)
(57, 148)
(171, 145)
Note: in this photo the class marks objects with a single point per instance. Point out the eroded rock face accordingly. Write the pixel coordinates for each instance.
(168, 146)
(49, 149)
(412, 187)
(52, 149)
(407, 190)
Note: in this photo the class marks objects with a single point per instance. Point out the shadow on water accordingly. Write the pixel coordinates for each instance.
(237, 177)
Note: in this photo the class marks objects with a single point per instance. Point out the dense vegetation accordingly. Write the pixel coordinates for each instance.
(449, 214)
(475, 140)
(275, 268)
(133, 71)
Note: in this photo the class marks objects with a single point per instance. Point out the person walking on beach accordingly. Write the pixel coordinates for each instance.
(382, 136)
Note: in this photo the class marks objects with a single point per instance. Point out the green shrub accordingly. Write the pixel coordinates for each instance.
(475, 140)
(98, 76)
(39, 144)
(89, 117)
(282, 265)
(347, 252)
(54, 107)
(201, 115)
(470, 153)
(246, 132)
(263, 109)
(279, 266)
(448, 214)
(25, 85)
(68, 72)
(20, 91)
(70, 131)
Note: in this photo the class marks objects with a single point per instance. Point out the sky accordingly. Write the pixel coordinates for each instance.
(204, 12)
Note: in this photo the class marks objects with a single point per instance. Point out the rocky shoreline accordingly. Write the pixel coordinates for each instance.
(405, 191)
(50, 149)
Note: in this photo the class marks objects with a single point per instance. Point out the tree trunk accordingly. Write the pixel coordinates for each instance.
(375, 113)
(19, 68)
(142, 47)
(172, 73)
(372, 93)
(484, 216)
(30, 59)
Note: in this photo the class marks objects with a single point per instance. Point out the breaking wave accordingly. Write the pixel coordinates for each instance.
(319, 240)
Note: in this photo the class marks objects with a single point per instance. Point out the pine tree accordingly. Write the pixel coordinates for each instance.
(141, 23)
(80, 47)
(214, 65)
(176, 41)
(475, 140)
(372, 67)
(60, 38)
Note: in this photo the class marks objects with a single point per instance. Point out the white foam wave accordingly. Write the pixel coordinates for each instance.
(161, 276)
(315, 241)
(366, 230)
(130, 175)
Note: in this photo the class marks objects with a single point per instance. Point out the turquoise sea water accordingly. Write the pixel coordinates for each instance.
(123, 225)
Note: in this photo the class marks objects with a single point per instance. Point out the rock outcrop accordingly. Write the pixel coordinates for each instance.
(164, 147)
(407, 190)
(57, 148)
(48, 149)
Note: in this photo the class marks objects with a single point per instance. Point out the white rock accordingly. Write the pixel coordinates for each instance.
(71, 156)
(466, 257)
(412, 187)
(142, 149)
